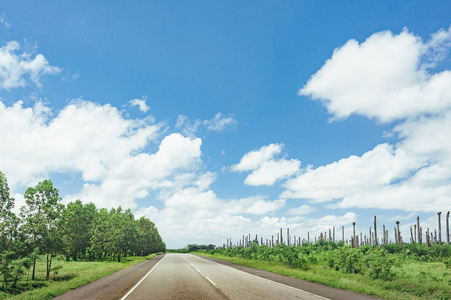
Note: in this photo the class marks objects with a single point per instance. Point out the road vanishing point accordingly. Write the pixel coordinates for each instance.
(187, 276)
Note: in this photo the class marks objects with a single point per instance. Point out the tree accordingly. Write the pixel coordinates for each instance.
(101, 228)
(42, 220)
(8, 220)
(78, 221)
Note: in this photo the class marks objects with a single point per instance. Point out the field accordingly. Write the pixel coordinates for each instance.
(391, 272)
(67, 276)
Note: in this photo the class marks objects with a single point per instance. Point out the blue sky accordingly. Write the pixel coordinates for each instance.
(254, 115)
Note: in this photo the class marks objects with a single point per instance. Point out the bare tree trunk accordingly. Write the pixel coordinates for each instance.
(447, 227)
(375, 232)
(34, 268)
(343, 234)
(419, 231)
(415, 233)
(439, 228)
(396, 235)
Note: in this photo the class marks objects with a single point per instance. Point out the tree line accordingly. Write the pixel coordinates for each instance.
(47, 227)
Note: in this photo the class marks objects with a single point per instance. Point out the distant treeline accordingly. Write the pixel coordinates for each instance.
(192, 248)
(47, 227)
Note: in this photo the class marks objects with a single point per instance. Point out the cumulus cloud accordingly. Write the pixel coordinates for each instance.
(373, 170)
(301, 210)
(135, 175)
(220, 123)
(266, 168)
(254, 205)
(83, 137)
(18, 70)
(140, 103)
(194, 213)
(387, 77)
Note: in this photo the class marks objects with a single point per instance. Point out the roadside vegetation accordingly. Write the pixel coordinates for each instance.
(68, 275)
(410, 271)
(49, 242)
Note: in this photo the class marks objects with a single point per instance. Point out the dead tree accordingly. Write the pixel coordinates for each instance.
(396, 235)
(343, 234)
(399, 233)
(419, 230)
(439, 214)
(334, 235)
(447, 227)
(415, 232)
(375, 232)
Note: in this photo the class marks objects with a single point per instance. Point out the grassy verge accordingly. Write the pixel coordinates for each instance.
(71, 275)
(413, 280)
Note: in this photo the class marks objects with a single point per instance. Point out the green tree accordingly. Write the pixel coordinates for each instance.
(101, 228)
(78, 221)
(8, 220)
(42, 220)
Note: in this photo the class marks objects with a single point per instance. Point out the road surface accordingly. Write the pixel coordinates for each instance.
(186, 276)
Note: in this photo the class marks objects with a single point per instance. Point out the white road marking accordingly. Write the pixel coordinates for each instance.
(129, 292)
(271, 281)
(211, 281)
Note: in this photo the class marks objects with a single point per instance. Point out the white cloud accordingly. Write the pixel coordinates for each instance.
(141, 103)
(370, 172)
(83, 137)
(266, 169)
(3, 21)
(271, 171)
(188, 128)
(301, 210)
(219, 123)
(135, 175)
(17, 70)
(254, 205)
(386, 77)
(254, 159)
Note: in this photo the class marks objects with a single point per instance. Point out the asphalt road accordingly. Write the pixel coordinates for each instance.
(186, 276)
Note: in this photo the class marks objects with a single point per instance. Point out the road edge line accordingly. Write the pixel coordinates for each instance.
(136, 285)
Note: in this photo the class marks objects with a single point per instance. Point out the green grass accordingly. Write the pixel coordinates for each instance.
(72, 275)
(414, 280)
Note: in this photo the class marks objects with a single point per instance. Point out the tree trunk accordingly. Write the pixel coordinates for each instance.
(49, 266)
(34, 268)
(447, 227)
(419, 231)
(375, 232)
(119, 256)
(439, 228)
